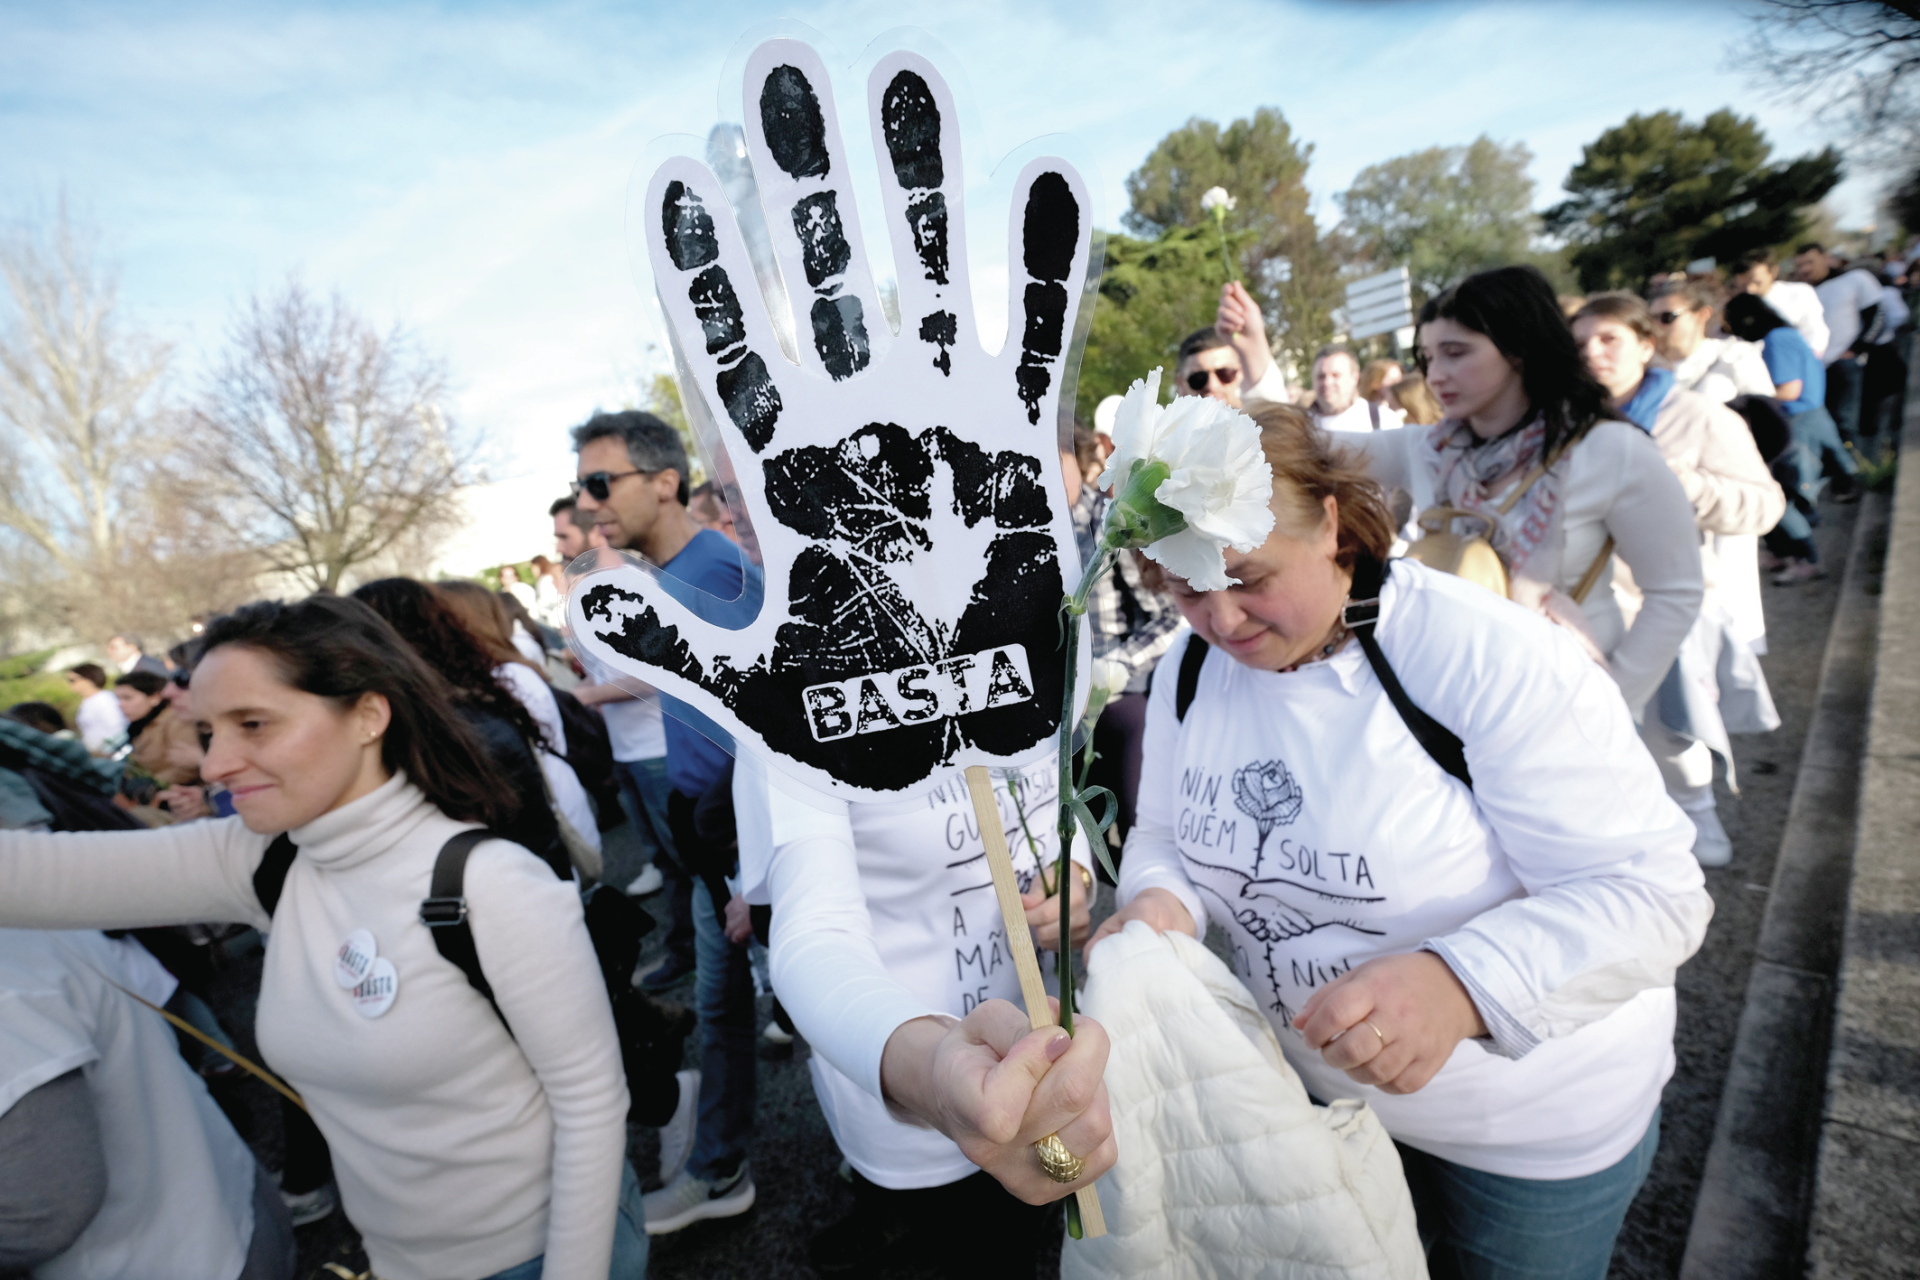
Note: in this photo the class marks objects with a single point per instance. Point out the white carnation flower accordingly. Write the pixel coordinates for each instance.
(1216, 198)
(1210, 483)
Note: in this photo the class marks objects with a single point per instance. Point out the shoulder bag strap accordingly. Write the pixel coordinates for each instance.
(1592, 575)
(1361, 614)
(1191, 661)
(444, 912)
(271, 875)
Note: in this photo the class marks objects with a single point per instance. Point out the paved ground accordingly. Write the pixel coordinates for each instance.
(794, 1160)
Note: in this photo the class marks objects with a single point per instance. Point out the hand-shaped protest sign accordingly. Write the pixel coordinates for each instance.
(904, 488)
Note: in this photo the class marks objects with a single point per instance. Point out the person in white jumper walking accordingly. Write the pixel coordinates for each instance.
(468, 1143)
(1711, 451)
(1479, 940)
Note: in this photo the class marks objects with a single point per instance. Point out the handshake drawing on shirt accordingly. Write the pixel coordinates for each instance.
(903, 487)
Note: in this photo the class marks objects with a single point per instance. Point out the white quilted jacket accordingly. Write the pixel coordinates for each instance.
(1226, 1169)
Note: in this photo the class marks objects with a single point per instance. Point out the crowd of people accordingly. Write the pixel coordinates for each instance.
(1495, 812)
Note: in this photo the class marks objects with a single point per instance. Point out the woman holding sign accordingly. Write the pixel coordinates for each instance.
(1446, 863)
(472, 1136)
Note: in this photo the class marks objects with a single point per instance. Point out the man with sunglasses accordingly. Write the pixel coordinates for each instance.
(633, 481)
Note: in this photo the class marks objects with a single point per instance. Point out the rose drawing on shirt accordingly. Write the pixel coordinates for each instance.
(1270, 795)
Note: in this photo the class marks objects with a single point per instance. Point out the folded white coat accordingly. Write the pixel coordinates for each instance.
(1226, 1168)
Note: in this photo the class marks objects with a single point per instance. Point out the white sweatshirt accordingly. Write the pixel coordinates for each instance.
(460, 1150)
(1614, 483)
(1300, 812)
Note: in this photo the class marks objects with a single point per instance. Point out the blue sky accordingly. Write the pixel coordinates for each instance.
(463, 168)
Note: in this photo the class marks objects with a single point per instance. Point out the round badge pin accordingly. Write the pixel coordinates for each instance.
(355, 957)
(376, 992)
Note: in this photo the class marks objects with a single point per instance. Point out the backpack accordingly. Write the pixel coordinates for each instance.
(590, 754)
(614, 922)
(1772, 433)
(1360, 615)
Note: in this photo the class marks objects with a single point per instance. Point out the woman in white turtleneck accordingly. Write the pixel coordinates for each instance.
(464, 1151)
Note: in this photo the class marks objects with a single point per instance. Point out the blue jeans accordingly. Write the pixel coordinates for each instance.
(629, 1238)
(643, 786)
(723, 997)
(1844, 381)
(1484, 1226)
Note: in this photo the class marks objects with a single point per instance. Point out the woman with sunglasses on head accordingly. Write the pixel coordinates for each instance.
(1479, 944)
(1560, 483)
(1711, 451)
(470, 1140)
(1719, 368)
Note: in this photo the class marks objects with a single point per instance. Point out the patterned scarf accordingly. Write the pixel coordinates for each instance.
(1478, 475)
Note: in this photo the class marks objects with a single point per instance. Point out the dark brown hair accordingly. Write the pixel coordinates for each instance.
(428, 624)
(339, 649)
(1308, 468)
(144, 681)
(485, 615)
(1621, 308)
(1516, 309)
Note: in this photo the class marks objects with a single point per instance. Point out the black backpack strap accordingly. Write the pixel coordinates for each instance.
(1361, 614)
(271, 875)
(444, 912)
(1190, 663)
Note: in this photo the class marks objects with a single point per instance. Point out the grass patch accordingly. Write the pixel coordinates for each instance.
(40, 688)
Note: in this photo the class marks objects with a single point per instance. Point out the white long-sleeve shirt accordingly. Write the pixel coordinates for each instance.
(1614, 483)
(1798, 304)
(99, 719)
(1299, 812)
(460, 1150)
(884, 912)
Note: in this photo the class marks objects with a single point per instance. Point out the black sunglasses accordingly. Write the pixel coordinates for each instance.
(1668, 317)
(1197, 380)
(599, 484)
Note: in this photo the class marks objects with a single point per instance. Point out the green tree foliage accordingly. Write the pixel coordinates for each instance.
(1653, 193)
(1264, 167)
(1153, 293)
(663, 402)
(1443, 213)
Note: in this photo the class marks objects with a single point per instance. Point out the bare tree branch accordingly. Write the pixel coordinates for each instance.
(74, 391)
(1853, 61)
(321, 440)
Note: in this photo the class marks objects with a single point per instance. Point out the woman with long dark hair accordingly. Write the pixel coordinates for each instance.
(467, 1142)
(1562, 485)
(486, 616)
(426, 623)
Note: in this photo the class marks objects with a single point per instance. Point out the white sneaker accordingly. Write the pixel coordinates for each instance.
(776, 1034)
(687, 1199)
(1711, 845)
(648, 881)
(676, 1135)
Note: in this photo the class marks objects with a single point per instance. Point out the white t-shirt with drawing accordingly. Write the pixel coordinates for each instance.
(1298, 811)
(884, 912)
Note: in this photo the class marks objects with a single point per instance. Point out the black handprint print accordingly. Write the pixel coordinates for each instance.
(914, 535)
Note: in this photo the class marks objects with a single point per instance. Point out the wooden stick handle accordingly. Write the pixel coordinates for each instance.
(1013, 912)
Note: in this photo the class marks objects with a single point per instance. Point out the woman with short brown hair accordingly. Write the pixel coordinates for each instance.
(1445, 864)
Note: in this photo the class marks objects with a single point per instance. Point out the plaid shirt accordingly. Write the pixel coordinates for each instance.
(1131, 624)
(22, 747)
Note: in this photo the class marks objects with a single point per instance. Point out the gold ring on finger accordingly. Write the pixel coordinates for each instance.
(1378, 1032)
(1059, 1163)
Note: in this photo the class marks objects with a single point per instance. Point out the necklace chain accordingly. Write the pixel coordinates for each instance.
(1335, 638)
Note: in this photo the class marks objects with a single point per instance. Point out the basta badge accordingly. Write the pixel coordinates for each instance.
(376, 992)
(354, 960)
